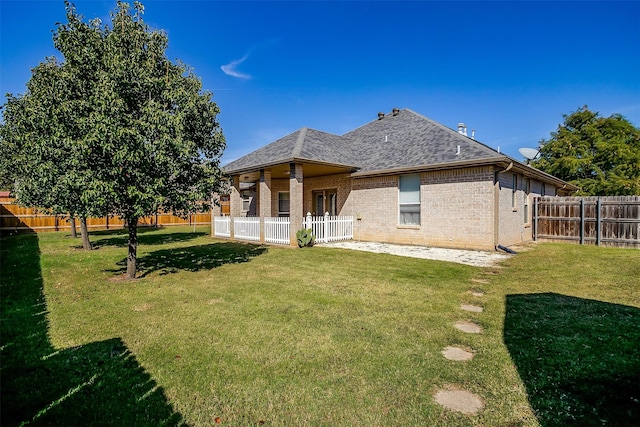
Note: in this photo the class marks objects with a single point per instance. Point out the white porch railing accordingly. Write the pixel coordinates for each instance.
(246, 228)
(222, 226)
(330, 228)
(276, 230)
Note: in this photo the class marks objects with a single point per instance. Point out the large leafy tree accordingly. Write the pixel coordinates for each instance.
(601, 155)
(42, 148)
(145, 136)
(156, 129)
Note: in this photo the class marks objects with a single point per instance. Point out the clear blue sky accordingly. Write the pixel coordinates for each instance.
(508, 69)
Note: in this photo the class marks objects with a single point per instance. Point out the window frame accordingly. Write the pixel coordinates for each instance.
(280, 200)
(514, 192)
(411, 204)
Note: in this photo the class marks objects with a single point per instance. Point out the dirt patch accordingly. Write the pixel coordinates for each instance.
(469, 327)
(142, 307)
(459, 401)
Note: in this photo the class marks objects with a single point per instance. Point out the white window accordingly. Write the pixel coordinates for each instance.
(409, 200)
(246, 201)
(526, 187)
(283, 203)
(514, 193)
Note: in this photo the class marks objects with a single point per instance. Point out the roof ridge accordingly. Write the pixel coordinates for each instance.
(469, 139)
(297, 149)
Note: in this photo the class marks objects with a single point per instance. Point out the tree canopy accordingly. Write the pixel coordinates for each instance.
(600, 155)
(115, 128)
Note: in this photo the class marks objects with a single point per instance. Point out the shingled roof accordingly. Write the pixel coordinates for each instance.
(302, 145)
(402, 139)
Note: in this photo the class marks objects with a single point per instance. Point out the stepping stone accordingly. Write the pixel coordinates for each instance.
(456, 353)
(483, 281)
(459, 401)
(477, 293)
(468, 327)
(469, 307)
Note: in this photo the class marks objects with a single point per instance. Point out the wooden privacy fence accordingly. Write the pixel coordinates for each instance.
(15, 219)
(607, 221)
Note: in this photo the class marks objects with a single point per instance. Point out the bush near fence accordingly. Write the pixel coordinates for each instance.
(603, 221)
(16, 219)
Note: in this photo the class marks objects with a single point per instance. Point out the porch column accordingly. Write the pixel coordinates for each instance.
(264, 198)
(235, 202)
(295, 201)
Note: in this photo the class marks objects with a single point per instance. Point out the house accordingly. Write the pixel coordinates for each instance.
(404, 179)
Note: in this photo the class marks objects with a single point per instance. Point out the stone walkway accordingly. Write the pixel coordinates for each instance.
(450, 396)
(475, 258)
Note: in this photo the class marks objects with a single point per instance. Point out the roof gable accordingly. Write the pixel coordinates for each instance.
(303, 144)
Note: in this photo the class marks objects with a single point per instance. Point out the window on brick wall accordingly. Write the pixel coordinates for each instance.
(514, 193)
(283, 203)
(526, 187)
(246, 201)
(409, 200)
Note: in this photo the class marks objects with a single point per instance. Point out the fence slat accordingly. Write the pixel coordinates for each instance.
(596, 220)
(15, 218)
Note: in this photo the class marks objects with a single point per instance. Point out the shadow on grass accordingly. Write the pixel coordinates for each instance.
(194, 258)
(100, 383)
(579, 359)
(122, 239)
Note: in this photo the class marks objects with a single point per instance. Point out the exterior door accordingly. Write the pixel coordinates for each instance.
(325, 201)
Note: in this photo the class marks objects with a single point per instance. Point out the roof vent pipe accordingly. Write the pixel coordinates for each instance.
(396, 111)
(473, 134)
(380, 115)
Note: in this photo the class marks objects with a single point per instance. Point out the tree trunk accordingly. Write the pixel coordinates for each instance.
(72, 222)
(86, 244)
(133, 247)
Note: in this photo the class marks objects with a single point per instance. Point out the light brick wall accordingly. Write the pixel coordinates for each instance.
(341, 182)
(512, 227)
(456, 209)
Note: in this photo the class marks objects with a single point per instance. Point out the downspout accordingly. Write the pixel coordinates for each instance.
(496, 205)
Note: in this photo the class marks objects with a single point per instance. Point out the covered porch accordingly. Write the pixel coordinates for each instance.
(270, 203)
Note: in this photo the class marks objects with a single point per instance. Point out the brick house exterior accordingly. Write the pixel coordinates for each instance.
(404, 178)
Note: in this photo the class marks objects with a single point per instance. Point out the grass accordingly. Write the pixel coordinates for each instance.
(252, 335)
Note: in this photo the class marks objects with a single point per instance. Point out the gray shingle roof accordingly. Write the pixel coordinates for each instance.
(409, 140)
(303, 144)
(404, 140)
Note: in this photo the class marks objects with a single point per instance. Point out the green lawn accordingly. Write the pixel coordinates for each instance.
(240, 334)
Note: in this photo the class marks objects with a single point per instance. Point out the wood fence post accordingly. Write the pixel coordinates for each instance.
(582, 221)
(598, 221)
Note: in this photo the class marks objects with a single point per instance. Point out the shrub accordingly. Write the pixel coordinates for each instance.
(305, 238)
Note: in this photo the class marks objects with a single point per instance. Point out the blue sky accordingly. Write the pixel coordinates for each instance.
(508, 69)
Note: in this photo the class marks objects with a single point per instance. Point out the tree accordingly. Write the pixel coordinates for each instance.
(145, 136)
(43, 132)
(600, 155)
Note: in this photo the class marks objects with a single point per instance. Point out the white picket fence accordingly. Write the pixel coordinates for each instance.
(276, 229)
(222, 226)
(246, 228)
(330, 228)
